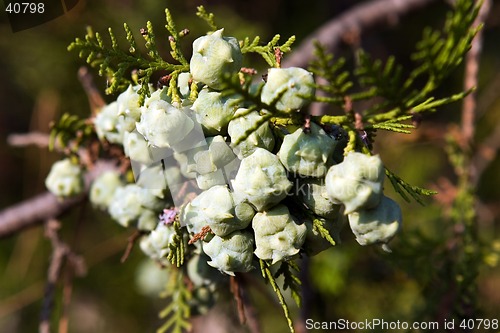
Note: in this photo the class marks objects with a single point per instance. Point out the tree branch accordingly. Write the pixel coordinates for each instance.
(471, 81)
(61, 254)
(44, 206)
(355, 20)
(38, 139)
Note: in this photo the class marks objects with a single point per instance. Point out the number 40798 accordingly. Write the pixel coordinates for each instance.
(25, 8)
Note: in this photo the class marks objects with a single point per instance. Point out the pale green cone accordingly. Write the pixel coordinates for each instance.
(277, 235)
(65, 179)
(376, 225)
(209, 180)
(217, 209)
(232, 253)
(261, 137)
(307, 153)
(200, 273)
(296, 83)
(261, 180)
(154, 179)
(130, 201)
(312, 192)
(136, 147)
(213, 111)
(357, 182)
(183, 83)
(103, 189)
(105, 124)
(191, 218)
(213, 56)
(164, 125)
(161, 237)
(129, 107)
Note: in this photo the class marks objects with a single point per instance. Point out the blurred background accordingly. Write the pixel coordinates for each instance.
(39, 83)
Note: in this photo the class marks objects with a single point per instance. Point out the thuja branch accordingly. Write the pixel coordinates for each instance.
(115, 63)
(267, 51)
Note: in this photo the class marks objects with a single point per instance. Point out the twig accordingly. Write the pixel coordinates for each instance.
(67, 292)
(250, 311)
(130, 245)
(26, 139)
(357, 19)
(61, 252)
(235, 287)
(56, 262)
(32, 212)
(469, 106)
(471, 81)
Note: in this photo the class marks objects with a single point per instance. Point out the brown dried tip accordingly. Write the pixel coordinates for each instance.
(416, 119)
(347, 104)
(278, 55)
(164, 80)
(204, 231)
(248, 70)
(307, 124)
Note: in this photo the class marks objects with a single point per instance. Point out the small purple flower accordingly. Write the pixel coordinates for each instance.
(168, 215)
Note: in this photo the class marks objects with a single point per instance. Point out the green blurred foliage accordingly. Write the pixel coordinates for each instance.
(39, 83)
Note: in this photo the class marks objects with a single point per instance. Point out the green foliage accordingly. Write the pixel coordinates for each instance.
(269, 277)
(207, 17)
(319, 227)
(268, 51)
(116, 64)
(438, 54)
(441, 52)
(178, 245)
(395, 125)
(394, 99)
(70, 131)
(333, 71)
(397, 98)
(178, 311)
(289, 270)
(404, 188)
